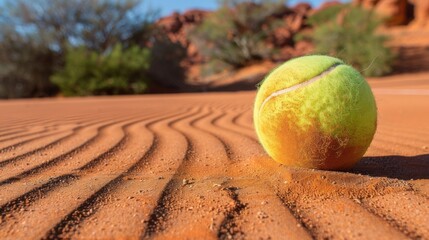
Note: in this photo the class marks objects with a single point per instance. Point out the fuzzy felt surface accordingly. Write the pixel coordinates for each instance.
(328, 123)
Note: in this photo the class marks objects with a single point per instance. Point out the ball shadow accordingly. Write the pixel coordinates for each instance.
(400, 167)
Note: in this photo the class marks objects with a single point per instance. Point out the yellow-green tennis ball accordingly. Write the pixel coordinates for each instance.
(315, 112)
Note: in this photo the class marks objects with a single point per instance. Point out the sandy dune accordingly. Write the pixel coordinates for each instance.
(190, 166)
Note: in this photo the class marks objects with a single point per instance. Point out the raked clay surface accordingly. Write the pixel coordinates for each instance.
(189, 166)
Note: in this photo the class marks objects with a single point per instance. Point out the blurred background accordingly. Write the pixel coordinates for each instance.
(107, 47)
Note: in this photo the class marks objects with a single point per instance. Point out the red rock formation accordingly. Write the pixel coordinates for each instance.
(368, 4)
(171, 23)
(177, 26)
(302, 8)
(398, 11)
(293, 21)
(395, 11)
(327, 4)
(421, 13)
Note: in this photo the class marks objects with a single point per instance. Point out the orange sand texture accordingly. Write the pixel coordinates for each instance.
(189, 166)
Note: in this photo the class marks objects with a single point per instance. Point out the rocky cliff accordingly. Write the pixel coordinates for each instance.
(177, 26)
(414, 13)
(410, 14)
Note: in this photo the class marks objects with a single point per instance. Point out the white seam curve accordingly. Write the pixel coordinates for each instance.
(300, 85)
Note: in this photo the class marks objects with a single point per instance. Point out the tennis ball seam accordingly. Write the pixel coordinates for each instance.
(299, 85)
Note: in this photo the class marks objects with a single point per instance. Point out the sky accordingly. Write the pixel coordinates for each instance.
(169, 6)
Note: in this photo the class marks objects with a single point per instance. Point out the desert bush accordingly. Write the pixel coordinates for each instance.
(326, 15)
(34, 36)
(166, 61)
(349, 32)
(236, 33)
(119, 71)
(26, 64)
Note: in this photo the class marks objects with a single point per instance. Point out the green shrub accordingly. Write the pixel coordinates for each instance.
(166, 60)
(34, 36)
(326, 15)
(349, 33)
(120, 71)
(236, 33)
(25, 67)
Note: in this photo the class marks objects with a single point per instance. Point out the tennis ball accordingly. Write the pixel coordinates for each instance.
(315, 112)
